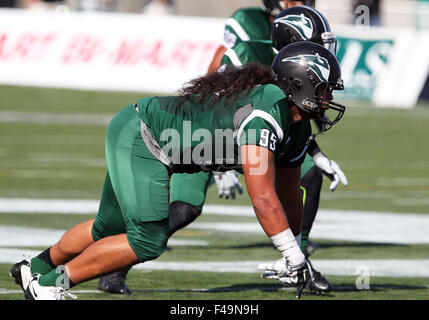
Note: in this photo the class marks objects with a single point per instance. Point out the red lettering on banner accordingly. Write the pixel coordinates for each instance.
(183, 52)
(153, 55)
(135, 52)
(81, 49)
(24, 45)
(127, 53)
(158, 54)
(27, 46)
(3, 38)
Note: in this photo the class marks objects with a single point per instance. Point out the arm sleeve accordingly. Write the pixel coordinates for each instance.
(261, 133)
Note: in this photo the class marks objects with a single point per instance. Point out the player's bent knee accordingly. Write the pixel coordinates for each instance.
(149, 240)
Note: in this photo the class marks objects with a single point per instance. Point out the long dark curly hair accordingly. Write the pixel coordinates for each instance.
(231, 83)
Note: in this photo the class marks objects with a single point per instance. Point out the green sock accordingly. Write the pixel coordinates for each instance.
(40, 266)
(304, 240)
(56, 278)
(42, 263)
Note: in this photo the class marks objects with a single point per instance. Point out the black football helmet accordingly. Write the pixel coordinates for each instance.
(308, 73)
(273, 7)
(302, 23)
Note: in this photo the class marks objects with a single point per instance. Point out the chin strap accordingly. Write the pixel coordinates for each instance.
(324, 125)
(312, 137)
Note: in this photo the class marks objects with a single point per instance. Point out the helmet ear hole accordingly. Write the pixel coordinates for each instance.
(297, 84)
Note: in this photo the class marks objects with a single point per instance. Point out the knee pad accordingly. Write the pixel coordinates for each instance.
(149, 240)
(181, 214)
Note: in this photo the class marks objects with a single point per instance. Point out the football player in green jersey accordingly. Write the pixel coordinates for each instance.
(253, 23)
(187, 203)
(254, 119)
(299, 23)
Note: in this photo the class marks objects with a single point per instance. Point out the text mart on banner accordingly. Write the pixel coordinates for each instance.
(131, 52)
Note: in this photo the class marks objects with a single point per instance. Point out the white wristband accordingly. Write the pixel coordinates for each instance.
(286, 243)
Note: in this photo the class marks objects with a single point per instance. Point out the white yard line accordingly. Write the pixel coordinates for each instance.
(55, 118)
(57, 206)
(373, 267)
(376, 268)
(366, 226)
(8, 291)
(13, 236)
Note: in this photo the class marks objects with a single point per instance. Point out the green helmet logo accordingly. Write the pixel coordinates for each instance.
(319, 65)
(300, 23)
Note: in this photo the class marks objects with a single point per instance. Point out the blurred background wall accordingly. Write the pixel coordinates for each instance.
(389, 13)
(389, 50)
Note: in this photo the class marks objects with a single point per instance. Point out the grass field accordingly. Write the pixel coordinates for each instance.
(52, 147)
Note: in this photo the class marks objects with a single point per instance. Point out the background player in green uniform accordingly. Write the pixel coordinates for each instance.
(252, 23)
(267, 130)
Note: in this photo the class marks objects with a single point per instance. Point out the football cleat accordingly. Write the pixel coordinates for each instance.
(317, 282)
(21, 272)
(37, 292)
(114, 283)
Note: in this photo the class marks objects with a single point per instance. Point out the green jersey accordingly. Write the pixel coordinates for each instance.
(249, 51)
(189, 137)
(247, 24)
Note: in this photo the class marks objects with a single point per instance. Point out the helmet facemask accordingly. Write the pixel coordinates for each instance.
(329, 41)
(329, 112)
(311, 91)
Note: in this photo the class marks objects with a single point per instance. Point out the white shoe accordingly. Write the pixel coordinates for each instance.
(21, 272)
(37, 292)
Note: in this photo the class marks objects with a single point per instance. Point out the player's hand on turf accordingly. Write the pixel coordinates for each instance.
(279, 270)
(331, 169)
(227, 184)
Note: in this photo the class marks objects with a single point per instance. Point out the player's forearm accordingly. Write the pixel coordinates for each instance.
(275, 224)
(270, 214)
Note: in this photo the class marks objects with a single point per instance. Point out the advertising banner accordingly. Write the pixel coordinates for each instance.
(387, 66)
(130, 52)
(362, 61)
(158, 54)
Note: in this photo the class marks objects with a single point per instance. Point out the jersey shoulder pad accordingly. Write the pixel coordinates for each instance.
(245, 13)
(246, 24)
(238, 55)
(268, 94)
